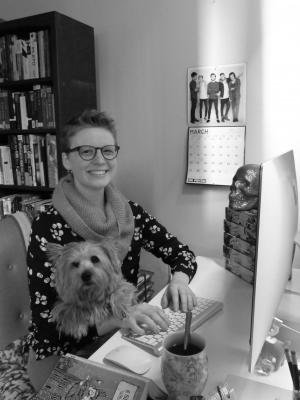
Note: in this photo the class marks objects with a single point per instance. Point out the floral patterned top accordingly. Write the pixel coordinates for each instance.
(51, 227)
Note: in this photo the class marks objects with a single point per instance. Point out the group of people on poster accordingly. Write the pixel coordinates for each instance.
(220, 93)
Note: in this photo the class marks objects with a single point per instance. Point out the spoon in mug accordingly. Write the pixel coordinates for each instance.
(187, 330)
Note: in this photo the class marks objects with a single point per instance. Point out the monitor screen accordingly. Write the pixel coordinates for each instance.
(277, 227)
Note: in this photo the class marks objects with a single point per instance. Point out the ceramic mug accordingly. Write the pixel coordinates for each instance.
(184, 375)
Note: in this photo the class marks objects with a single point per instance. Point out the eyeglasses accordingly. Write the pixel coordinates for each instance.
(88, 153)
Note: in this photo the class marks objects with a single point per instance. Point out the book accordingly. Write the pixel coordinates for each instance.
(1, 171)
(75, 377)
(236, 257)
(239, 244)
(3, 60)
(41, 53)
(51, 160)
(6, 164)
(13, 144)
(34, 66)
(32, 161)
(21, 157)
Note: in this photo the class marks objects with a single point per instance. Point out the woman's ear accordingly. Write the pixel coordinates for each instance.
(65, 161)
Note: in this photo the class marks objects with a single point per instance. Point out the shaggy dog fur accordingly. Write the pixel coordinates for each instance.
(90, 286)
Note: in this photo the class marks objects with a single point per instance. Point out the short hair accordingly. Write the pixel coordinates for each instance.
(89, 118)
(193, 74)
(213, 74)
(222, 73)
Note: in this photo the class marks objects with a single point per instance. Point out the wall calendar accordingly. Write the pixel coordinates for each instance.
(214, 154)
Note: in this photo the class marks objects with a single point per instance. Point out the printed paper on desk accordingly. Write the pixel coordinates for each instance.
(214, 154)
(78, 378)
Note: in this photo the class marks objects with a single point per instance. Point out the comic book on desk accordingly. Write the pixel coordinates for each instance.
(78, 378)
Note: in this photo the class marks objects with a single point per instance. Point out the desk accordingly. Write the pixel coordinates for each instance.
(227, 333)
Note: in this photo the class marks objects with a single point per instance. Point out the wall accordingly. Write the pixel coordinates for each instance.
(143, 49)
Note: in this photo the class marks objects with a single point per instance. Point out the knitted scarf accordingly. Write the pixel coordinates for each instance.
(92, 223)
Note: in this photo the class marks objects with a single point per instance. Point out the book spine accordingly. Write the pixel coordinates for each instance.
(32, 161)
(43, 161)
(19, 59)
(21, 158)
(2, 117)
(12, 55)
(13, 158)
(45, 117)
(3, 60)
(1, 169)
(7, 165)
(6, 110)
(26, 57)
(51, 160)
(34, 55)
(36, 160)
(27, 161)
(23, 111)
(11, 110)
(38, 106)
(47, 53)
(16, 98)
(41, 53)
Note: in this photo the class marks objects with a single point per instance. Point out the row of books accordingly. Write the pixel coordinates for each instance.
(28, 109)
(29, 160)
(25, 56)
(31, 204)
(239, 246)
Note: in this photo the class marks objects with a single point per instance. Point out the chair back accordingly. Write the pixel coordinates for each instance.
(14, 292)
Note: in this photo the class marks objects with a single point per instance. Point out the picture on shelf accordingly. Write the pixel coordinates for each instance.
(216, 96)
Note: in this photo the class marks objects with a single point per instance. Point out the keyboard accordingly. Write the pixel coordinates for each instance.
(153, 342)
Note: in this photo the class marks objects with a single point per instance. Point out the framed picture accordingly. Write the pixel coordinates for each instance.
(214, 154)
(216, 96)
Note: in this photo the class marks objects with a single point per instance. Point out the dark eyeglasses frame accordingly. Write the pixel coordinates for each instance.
(95, 149)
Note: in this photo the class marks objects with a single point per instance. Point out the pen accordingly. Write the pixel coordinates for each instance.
(289, 361)
(295, 369)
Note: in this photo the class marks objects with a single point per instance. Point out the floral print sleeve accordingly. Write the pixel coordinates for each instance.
(157, 240)
(44, 337)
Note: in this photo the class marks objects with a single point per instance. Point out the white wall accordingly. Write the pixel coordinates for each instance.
(143, 50)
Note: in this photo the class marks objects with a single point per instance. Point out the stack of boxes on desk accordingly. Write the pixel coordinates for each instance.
(240, 242)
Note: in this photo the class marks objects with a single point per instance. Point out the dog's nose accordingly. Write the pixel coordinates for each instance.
(86, 276)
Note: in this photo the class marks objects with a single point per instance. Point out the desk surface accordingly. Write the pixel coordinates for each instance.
(226, 334)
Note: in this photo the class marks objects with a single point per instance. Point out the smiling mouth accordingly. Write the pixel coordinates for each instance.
(98, 173)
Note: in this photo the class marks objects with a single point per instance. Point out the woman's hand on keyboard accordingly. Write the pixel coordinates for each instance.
(144, 318)
(178, 295)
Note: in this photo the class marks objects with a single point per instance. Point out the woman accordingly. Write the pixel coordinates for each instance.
(86, 205)
(234, 85)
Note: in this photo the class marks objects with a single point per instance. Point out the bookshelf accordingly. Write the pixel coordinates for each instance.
(47, 75)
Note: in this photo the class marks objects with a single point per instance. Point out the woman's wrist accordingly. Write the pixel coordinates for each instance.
(180, 277)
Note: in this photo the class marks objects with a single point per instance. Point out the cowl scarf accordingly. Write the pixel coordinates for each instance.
(115, 222)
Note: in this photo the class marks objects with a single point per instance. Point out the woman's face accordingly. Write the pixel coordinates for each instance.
(94, 174)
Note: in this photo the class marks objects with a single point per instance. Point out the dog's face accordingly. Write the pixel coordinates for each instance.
(84, 270)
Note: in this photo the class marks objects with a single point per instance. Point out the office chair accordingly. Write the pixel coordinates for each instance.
(14, 307)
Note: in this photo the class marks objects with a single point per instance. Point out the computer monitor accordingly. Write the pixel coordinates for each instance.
(277, 227)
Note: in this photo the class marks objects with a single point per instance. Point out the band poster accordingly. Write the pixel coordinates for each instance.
(214, 154)
(216, 96)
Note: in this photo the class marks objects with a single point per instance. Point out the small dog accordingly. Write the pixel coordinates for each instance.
(90, 286)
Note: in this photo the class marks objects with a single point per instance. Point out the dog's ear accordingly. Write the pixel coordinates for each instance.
(54, 251)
